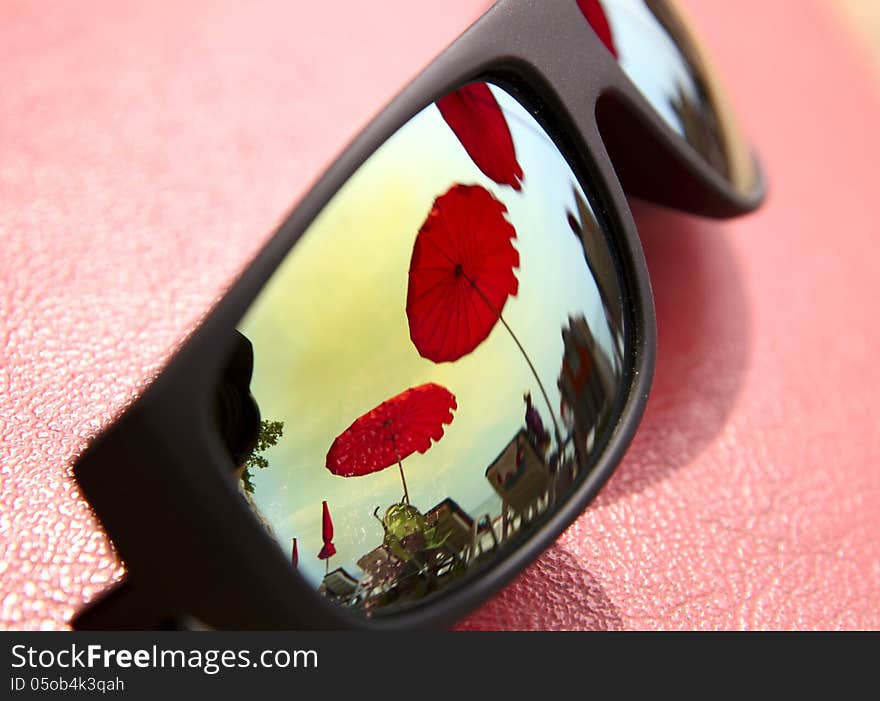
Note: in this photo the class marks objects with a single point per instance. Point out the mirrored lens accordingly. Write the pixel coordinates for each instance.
(653, 43)
(435, 363)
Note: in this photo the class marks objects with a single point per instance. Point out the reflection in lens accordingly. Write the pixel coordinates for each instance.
(437, 358)
(659, 53)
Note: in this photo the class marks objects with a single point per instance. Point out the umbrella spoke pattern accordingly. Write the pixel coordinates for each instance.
(461, 273)
(391, 432)
(460, 277)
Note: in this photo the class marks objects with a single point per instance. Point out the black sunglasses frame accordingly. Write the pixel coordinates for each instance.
(158, 478)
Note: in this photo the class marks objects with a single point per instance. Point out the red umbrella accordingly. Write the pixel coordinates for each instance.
(477, 120)
(294, 557)
(592, 10)
(327, 534)
(392, 431)
(461, 273)
(460, 276)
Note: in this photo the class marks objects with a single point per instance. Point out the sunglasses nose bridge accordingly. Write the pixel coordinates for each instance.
(665, 115)
(666, 123)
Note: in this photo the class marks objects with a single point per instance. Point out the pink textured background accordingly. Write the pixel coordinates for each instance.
(145, 153)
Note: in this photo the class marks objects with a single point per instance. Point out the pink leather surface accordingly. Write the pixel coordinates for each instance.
(146, 152)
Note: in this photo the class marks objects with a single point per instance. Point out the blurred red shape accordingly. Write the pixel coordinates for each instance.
(473, 113)
(592, 10)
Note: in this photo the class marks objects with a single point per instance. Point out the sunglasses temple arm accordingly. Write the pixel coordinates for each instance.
(118, 477)
(124, 607)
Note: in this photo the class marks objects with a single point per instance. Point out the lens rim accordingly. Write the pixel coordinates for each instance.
(174, 464)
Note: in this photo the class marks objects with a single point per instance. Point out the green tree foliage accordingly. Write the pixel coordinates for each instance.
(270, 432)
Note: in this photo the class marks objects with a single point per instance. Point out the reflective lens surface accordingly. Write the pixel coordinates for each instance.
(655, 47)
(434, 365)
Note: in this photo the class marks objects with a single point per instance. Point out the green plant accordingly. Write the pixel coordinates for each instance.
(270, 432)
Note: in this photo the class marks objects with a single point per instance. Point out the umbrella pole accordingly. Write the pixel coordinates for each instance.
(525, 355)
(537, 379)
(402, 477)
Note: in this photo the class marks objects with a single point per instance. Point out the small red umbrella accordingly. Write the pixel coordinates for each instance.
(294, 556)
(475, 116)
(327, 535)
(392, 431)
(595, 15)
(461, 275)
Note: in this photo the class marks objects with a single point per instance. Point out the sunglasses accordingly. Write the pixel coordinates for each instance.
(443, 351)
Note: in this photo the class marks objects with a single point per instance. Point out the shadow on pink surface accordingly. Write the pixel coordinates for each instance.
(704, 344)
(557, 579)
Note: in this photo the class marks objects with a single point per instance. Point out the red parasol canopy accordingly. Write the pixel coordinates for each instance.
(396, 428)
(461, 273)
(477, 120)
(592, 10)
(327, 534)
(294, 557)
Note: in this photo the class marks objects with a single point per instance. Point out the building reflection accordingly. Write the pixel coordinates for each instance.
(588, 382)
(422, 554)
(586, 228)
